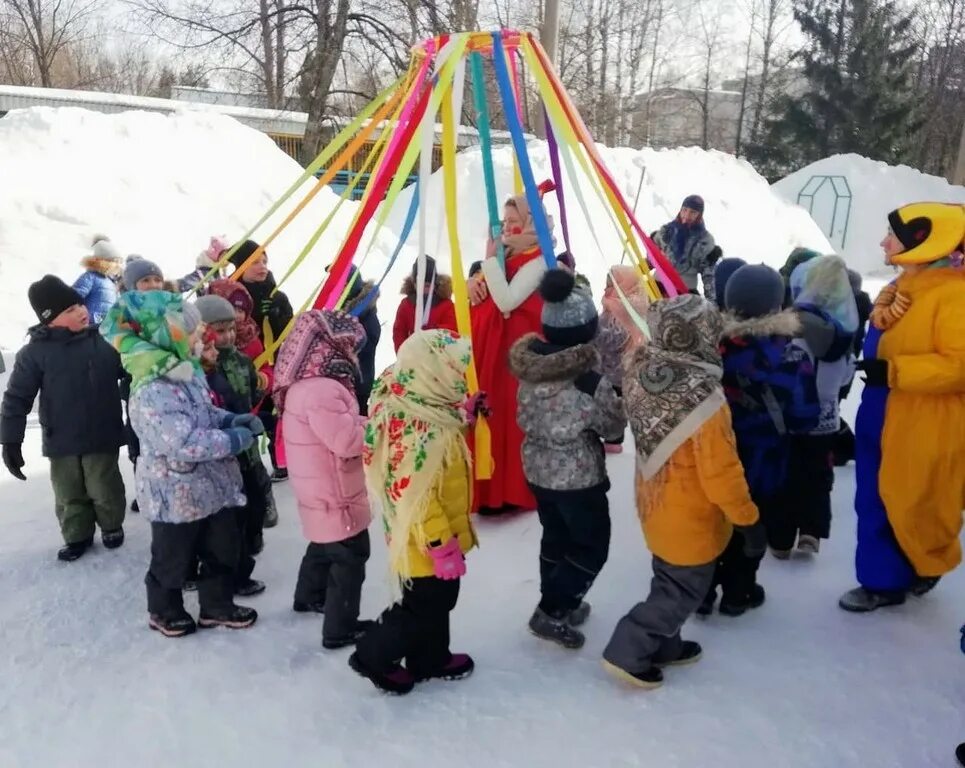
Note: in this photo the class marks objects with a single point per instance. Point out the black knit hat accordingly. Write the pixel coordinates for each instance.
(50, 296)
(245, 250)
(569, 316)
(430, 270)
(754, 290)
(694, 203)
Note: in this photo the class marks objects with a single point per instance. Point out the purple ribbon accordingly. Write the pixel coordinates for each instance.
(557, 178)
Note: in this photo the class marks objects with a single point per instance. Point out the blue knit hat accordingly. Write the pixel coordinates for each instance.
(137, 269)
(569, 314)
(754, 290)
(722, 274)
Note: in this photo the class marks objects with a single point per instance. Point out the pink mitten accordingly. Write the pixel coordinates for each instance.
(477, 404)
(447, 560)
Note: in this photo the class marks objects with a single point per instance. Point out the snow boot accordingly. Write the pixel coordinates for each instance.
(861, 600)
(343, 641)
(249, 588)
(579, 615)
(178, 625)
(808, 545)
(112, 539)
(271, 508)
(397, 681)
(730, 607)
(781, 554)
(690, 653)
(924, 584)
(960, 754)
(258, 544)
(317, 607)
(460, 666)
(279, 476)
(706, 608)
(648, 679)
(70, 552)
(612, 448)
(235, 617)
(134, 507)
(558, 631)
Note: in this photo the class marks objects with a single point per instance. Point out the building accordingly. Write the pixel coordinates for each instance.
(674, 117)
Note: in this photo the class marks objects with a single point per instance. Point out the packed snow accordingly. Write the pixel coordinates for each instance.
(795, 684)
(875, 188)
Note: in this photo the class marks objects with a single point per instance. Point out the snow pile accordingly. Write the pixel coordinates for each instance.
(876, 189)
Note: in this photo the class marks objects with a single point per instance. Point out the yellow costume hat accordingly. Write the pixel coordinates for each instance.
(929, 231)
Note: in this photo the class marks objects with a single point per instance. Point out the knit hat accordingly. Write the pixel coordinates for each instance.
(192, 317)
(694, 203)
(245, 250)
(928, 231)
(209, 257)
(569, 315)
(50, 296)
(722, 273)
(754, 290)
(215, 309)
(234, 293)
(430, 270)
(103, 248)
(137, 269)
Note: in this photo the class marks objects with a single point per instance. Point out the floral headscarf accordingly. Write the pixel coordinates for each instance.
(151, 331)
(525, 239)
(235, 293)
(416, 418)
(322, 344)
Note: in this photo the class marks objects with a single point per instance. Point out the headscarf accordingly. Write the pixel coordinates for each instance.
(633, 286)
(822, 284)
(673, 385)
(237, 296)
(525, 239)
(322, 344)
(416, 419)
(151, 331)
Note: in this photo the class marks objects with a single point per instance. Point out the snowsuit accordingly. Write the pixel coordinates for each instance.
(690, 250)
(442, 312)
(565, 411)
(76, 375)
(97, 290)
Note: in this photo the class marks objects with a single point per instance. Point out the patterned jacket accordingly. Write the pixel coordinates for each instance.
(565, 410)
(611, 342)
(695, 259)
(186, 471)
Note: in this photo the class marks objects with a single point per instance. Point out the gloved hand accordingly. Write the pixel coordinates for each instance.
(249, 421)
(755, 539)
(13, 459)
(448, 562)
(714, 256)
(240, 439)
(477, 404)
(588, 382)
(269, 307)
(875, 372)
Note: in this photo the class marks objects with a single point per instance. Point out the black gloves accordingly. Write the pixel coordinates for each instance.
(714, 256)
(588, 382)
(13, 459)
(875, 372)
(267, 307)
(755, 539)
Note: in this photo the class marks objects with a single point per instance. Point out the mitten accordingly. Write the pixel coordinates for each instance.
(240, 439)
(447, 560)
(249, 421)
(875, 372)
(714, 256)
(588, 382)
(755, 539)
(13, 459)
(475, 405)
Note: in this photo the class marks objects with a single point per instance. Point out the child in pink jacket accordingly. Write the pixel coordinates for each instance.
(314, 389)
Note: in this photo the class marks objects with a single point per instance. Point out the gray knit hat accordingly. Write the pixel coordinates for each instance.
(137, 269)
(569, 315)
(215, 309)
(754, 290)
(192, 318)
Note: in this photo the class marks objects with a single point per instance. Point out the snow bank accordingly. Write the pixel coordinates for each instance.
(876, 189)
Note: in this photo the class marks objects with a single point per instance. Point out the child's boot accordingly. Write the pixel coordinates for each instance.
(808, 545)
(648, 679)
(397, 680)
(177, 625)
(459, 667)
(556, 630)
(113, 539)
(579, 615)
(234, 617)
(70, 552)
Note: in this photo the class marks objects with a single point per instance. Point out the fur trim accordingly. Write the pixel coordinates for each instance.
(183, 371)
(530, 366)
(783, 323)
(442, 291)
(108, 267)
(364, 290)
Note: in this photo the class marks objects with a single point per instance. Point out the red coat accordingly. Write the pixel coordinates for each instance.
(494, 331)
(442, 314)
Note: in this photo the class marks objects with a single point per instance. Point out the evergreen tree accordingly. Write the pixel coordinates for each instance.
(858, 66)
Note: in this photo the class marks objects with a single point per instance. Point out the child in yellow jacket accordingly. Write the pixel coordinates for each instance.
(690, 484)
(417, 464)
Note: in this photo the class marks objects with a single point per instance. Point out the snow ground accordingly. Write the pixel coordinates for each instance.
(797, 684)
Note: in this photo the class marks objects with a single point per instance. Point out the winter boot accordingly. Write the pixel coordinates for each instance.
(861, 600)
(70, 552)
(648, 679)
(612, 448)
(178, 625)
(343, 641)
(690, 653)
(249, 588)
(271, 508)
(558, 631)
(960, 754)
(924, 584)
(134, 507)
(808, 545)
(398, 680)
(579, 615)
(279, 476)
(706, 608)
(460, 666)
(781, 554)
(731, 607)
(235, 617)
(258, 544)
(113, 539)
(318, 607)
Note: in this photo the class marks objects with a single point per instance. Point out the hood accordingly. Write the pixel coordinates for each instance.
(46, 333)
(106, 267)
(817, 331)
(356, 297)
(535, 361)
(784, 323)
(441, 292)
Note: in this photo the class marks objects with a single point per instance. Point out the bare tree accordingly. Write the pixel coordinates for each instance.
(44, 28)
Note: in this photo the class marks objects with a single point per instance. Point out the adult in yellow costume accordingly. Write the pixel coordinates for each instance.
(910, 431)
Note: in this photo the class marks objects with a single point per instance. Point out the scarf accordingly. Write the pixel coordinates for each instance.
(525, 239)
(416, 419)
(680, 235)
(629, 280)
(148, 330)
(322, 344)
(822, 284)
(673, 385)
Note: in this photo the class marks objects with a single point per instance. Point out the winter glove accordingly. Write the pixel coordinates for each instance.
(448, 562)
(875, 372)
(240, 439)
(755, 539)
(475, 405)
(714, 256)
(13, 459)
(248, 421)
(588, 382)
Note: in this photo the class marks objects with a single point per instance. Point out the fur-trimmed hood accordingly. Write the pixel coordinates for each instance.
(358, 296)
(441, 292)
(106, 267)
(535, 361)
(783, 323)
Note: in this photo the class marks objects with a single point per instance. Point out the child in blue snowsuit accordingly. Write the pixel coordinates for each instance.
(96, 286)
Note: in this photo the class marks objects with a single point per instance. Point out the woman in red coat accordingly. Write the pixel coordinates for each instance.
(505, 306)
(440, 311)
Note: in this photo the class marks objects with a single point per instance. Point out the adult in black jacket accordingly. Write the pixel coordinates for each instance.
(76, 374)
(363, 294)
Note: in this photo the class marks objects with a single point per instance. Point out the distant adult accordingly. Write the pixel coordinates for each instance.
(690, 247)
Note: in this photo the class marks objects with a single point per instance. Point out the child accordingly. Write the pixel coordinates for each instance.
(565, 410)
(96, 286)
(417, 465)
(207, 260)
(618, 330)
(824, 303)
(315, 381)
(360, 291)
(723, 271)
(770, 387)
(234, 384)
(440, 312)
(690, 484)
(76, 373)
(188, 482)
